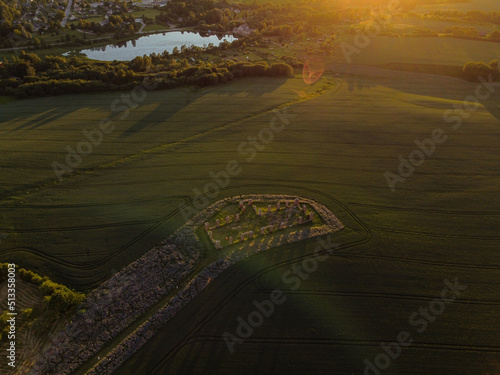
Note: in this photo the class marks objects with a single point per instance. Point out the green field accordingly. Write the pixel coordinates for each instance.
(396, 250)
(420, 50)
(463, 5)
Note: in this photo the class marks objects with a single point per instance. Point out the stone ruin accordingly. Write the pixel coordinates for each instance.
(294, 206)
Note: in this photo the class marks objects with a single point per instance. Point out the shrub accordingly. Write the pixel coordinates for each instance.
(280, 69)
(473, 70)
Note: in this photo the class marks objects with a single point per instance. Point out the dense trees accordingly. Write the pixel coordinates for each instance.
(57, 297)
(29, 75)
(474, 70)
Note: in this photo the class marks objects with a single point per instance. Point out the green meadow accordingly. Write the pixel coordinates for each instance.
(419, 50)
(345, 132)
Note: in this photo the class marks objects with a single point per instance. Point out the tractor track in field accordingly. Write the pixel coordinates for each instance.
(197, 180)
(350, 342)
(427, 210)
(317, 166)
(185, 198)
(394, 296)
(431, 234)
(285, 153)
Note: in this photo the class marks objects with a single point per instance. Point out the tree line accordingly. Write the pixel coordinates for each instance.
(29, 75)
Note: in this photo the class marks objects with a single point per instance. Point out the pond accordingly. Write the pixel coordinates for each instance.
(156, 43)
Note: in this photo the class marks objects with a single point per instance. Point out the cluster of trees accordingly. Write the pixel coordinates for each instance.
(124, 22)
(58, 301)
(30, 75)
(451, 31)
(474, 70)
(196, 13)
(268, 18)
(57, 298)
(462, 32)
(471, 16)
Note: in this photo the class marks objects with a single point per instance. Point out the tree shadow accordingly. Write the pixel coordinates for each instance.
(42, 119)
(189, 95)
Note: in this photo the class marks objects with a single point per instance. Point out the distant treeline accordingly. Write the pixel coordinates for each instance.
(471, 16)
(472, 71)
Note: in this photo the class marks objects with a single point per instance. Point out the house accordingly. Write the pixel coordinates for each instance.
(243, 30)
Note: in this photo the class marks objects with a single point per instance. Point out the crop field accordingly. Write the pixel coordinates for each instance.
(126, 195)
(440, 224)
(421, 50)
(462, 5)
(342, 135)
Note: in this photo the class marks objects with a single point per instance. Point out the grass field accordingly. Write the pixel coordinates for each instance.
(464, 5)
(396, 250)
(421, 50)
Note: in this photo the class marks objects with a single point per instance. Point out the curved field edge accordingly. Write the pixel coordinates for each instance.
(143, 292)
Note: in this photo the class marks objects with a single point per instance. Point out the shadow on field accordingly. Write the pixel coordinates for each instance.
(493, 107)
(42, 119)
(251, 87)
(360, 77)
(258, 87)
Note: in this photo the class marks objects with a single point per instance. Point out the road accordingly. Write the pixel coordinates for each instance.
(66, 13)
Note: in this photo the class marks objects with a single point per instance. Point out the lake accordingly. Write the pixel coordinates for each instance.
(156, 43)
